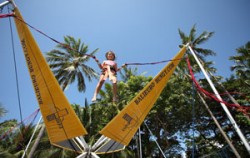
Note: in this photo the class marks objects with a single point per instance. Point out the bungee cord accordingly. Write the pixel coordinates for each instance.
(92, 56)
(6, 15)
(153, 63)
(243, 109)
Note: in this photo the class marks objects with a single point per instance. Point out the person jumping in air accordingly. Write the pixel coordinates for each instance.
(109, 70)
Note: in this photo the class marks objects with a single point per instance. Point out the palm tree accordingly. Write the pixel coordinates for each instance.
(68, 63)
(242, 63)
(200, 121)
(195, 41)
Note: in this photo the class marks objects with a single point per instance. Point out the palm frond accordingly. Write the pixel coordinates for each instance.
(192, 34)
(81, 82)
(205, 52)
(183, 36)
(203, 37)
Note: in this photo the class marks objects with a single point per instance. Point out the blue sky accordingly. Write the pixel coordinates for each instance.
(136, 30)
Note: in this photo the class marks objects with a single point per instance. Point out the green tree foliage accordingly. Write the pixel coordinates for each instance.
(195, 41)
(242, 64)
(14, 138)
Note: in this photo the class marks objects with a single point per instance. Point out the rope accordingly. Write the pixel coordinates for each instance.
(153, 63)
(239, 93)
(6, 15)
(54, 40)
(92, 56)
(240, 108)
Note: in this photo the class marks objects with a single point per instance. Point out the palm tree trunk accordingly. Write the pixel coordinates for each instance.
(218, 125)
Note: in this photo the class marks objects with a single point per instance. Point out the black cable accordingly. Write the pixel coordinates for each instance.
(15, 68)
